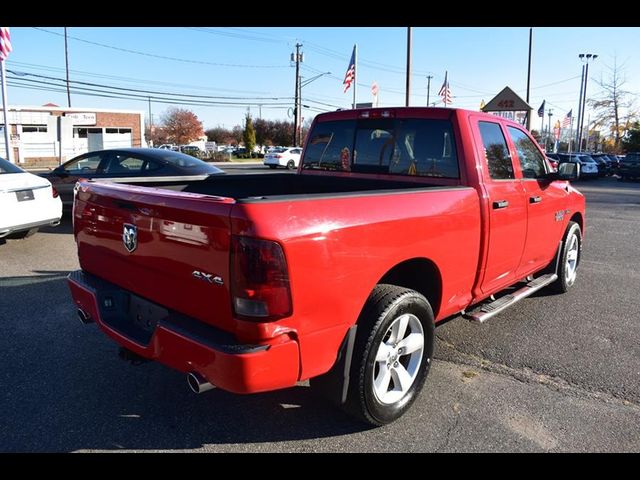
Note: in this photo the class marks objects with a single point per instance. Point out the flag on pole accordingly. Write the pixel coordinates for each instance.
(541, 109)
(5, 43)
(567, 119)
(350, 76)
(445, 91)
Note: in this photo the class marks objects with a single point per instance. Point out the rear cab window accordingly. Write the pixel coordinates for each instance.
(403, 146)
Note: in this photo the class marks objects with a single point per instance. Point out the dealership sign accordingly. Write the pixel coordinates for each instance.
(82, 118)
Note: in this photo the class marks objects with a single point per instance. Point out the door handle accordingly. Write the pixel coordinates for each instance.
(500, 204)
(535, 199)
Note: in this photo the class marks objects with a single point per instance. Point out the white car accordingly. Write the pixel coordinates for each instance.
(288, 157)
(27, 202)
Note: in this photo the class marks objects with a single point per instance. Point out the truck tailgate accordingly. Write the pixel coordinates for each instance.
(171, 248)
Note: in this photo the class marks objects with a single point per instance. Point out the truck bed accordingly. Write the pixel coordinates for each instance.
(283, 186)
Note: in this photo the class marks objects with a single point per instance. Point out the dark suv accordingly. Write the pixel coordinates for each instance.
(629, 166)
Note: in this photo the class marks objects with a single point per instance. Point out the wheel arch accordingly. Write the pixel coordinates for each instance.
(419, 274)
(577, 217)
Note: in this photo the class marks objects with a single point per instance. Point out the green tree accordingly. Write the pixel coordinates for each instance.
(249, 135)
(631, 140)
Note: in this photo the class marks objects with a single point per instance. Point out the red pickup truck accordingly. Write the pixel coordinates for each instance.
(397, 219)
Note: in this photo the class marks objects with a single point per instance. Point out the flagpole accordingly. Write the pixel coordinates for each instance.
(570, 134)
(5, 110)
(355, 73)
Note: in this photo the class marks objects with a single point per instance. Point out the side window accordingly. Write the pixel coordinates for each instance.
(83, 165)
(124, 164)
(531, 161)
(496, 151)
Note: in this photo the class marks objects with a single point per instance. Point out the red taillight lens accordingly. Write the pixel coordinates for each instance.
(279, 156)
(54, 192)
(259, 279)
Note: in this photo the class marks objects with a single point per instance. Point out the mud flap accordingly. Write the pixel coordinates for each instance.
(334, 384)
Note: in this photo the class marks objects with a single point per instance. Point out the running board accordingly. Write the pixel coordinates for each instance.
(488, 310)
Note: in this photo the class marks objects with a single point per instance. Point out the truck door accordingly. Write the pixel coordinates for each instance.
(545, 201)
(507, 209)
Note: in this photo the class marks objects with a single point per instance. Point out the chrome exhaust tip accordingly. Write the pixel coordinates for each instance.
(84, 317)
(197, 383)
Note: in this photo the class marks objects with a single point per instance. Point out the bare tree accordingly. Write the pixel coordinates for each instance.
(614, 107)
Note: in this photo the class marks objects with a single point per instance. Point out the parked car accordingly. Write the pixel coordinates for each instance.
(629, 167)
(288, 157)
(588, 167)
(27, 202)
(169, 146)
(192, 150)
(127, 165)
(340, 272)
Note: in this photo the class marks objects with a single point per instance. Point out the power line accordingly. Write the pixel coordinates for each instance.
(128, 79)
(21, 74)
(153, 55)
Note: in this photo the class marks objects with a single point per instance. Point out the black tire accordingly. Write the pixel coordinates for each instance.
(566, 274)
(621, 178)
(291, 165)
(272, 166)
(386, 304)
(22, 235)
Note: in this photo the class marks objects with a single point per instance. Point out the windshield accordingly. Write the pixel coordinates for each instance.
(420, 147)
(8, 167)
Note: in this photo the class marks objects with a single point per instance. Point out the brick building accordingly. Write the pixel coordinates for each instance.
(49, 135)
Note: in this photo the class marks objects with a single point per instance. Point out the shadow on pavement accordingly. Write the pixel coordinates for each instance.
(66, 389)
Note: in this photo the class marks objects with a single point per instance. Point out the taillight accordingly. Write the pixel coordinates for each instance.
(279, 156)
(259, 279)
(54, 192)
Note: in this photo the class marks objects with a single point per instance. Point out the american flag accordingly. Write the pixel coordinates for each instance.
(350, 76)
(5, 43)
(445, 91)
(567, 119)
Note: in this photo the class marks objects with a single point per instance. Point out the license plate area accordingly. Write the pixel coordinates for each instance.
(25, 195)
(130, 315)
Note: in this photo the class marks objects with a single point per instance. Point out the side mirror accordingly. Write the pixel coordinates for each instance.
(61, 172)
(566, 171)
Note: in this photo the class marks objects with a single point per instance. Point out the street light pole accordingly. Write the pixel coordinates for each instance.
(581, 56)
(299, 102)
(429, 77)
(584, 98)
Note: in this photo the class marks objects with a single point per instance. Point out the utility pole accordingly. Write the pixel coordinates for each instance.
(408, 92)
(66, 61)
(150, 116)
(429, 77)
(296, 108)
(529, 78)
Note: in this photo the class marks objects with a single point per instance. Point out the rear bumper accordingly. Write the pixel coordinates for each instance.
(6, 230)
(189, 345)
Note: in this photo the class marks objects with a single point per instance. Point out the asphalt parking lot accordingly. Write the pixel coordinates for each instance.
(553, 373)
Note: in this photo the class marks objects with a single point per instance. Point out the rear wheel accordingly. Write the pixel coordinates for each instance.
(392, 354)
(569, 258)
(291, 165)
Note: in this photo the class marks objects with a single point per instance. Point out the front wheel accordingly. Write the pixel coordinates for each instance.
(569, 258)
(392, 354)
